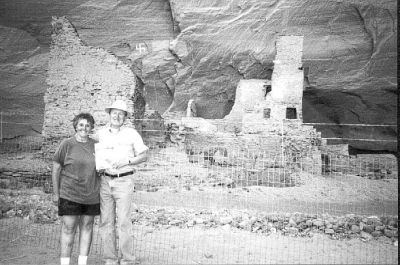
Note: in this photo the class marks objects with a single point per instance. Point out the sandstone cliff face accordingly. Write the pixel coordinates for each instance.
(182, 49)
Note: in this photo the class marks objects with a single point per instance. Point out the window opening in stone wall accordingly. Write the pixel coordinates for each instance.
(267, 89)
(267, 113)
(291, 113)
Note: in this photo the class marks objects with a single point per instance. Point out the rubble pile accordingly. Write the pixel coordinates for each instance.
(296, 224)
(34, 205)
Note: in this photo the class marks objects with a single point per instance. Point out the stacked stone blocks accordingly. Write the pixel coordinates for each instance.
(81, 79)
(287, 78)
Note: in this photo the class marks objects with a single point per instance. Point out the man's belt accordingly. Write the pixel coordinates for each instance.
(118, 175)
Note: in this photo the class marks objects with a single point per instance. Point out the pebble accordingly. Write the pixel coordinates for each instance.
(372, 220)
(376, 233)
(253, 219)
(389, 233)
(292, 230)
(392, 223)
(226, 227)
(10, 213)
(355, 228)
(199, 221)
(329, 231)
(369, 228)
(292, 222)
(175, 222)
(318, 223)
(366, 235)
(245, 224)
(225, 220)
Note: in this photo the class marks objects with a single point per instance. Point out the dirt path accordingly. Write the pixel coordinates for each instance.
(222, 246)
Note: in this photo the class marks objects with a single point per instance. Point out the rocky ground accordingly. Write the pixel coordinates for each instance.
(207, 236)
(177, 202)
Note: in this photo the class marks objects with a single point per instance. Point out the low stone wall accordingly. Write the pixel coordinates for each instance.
(38, 207)
(20, 179)
(296, 224)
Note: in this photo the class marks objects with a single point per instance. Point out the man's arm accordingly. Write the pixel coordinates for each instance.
(140, 158)
(131, 161)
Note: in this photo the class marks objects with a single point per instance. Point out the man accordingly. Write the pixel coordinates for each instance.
(124, 149)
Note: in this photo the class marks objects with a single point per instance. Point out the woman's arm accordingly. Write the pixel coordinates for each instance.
(55, 175)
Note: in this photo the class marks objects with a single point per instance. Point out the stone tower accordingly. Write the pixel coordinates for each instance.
(285, 99)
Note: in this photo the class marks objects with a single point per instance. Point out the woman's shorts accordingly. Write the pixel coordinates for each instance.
(66, 207)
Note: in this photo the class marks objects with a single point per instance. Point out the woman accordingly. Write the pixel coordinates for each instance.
(76, 188)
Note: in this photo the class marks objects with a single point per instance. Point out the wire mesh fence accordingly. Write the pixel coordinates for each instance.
(221, 204)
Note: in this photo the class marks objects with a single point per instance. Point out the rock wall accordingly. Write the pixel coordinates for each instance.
(82, 79)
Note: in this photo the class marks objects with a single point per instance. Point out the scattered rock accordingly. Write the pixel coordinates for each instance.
(175, 222)
(329, 231)
(245, 224)
(225, 220)
(365, 235)
(309, 223)
(208, 256)
(355, 229)
(10, 213)
(376, 233)
(393, 223)
(227, 227)
(199, 221)
(389, 233)
(292, 230)
(292, 222)
(369, 228)
(318, 223)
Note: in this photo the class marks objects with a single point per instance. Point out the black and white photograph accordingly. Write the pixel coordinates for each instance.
(198, 132)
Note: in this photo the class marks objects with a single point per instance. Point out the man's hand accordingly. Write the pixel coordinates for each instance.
(120, 163)
(55, 198)
(94, 135)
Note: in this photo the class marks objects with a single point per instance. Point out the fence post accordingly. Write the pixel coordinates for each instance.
(1, 127)
(282, 144)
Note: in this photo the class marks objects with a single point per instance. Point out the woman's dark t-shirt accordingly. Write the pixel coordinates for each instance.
(78, 179)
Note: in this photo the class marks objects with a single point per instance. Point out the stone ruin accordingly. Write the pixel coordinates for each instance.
(266, 116)
(83, 79)
(262, 102)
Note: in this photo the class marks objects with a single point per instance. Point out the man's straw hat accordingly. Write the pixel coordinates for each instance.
(118, 104)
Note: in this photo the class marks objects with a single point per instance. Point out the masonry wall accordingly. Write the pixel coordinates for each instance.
(287, 78)
(82, 79)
